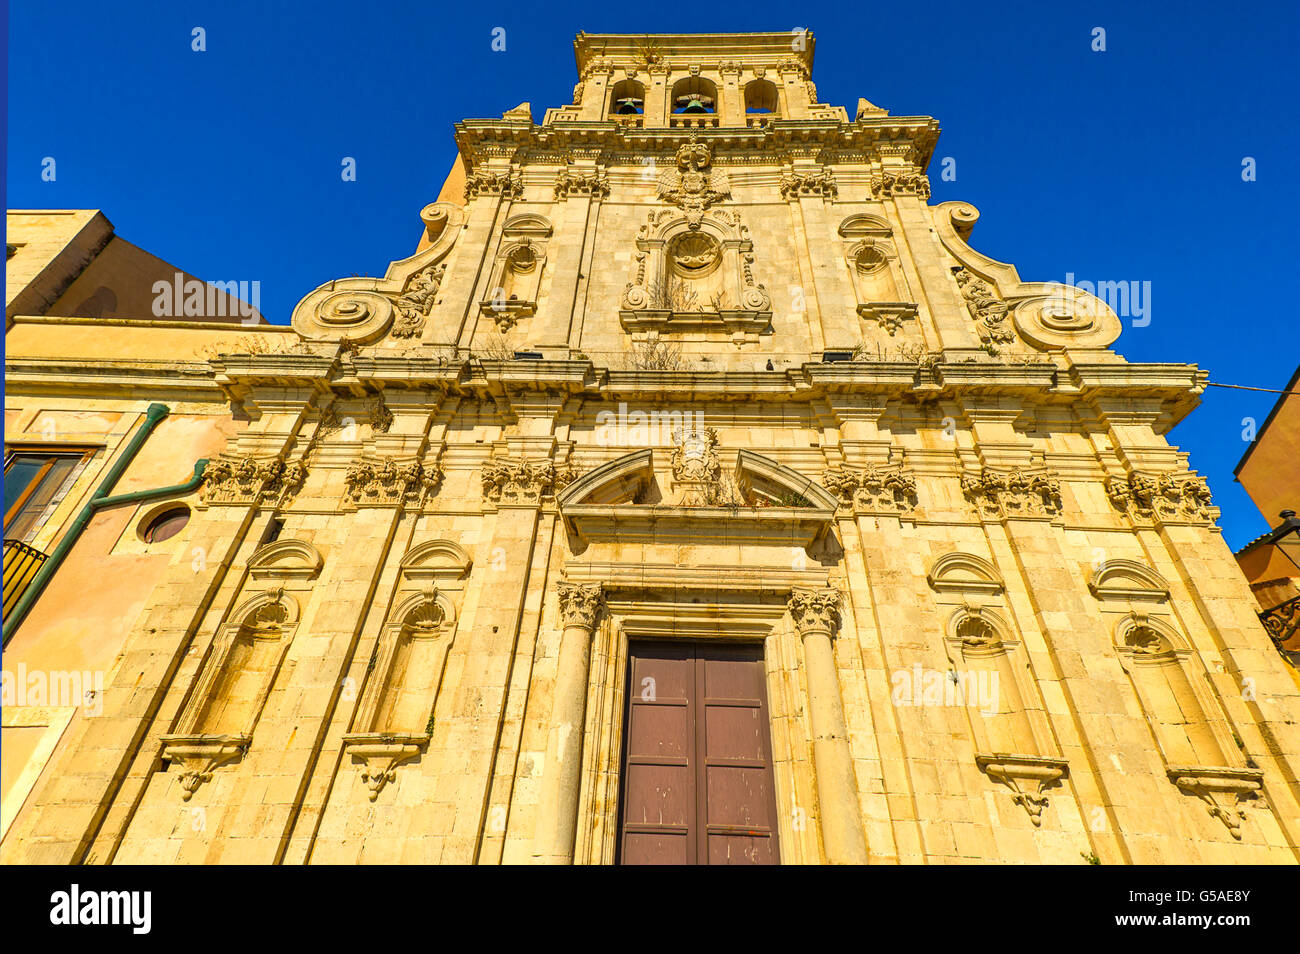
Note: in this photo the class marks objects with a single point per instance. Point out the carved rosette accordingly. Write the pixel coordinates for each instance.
(569, 183)
(388, 482)
(507, 481)
(1166, 498)
(795, 185)
(989, 312)
(815, 611)
(580, 603)
(888, 488)
(893, 182)
(415, 302)
(506, 184)
(241, 481)
(1029, 492)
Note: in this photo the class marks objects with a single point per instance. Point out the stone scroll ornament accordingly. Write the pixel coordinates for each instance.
(361, 310)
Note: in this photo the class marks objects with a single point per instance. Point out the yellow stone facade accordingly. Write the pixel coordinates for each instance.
(695, 359)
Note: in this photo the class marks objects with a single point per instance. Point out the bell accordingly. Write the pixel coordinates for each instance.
(628, 107)
(695, 107)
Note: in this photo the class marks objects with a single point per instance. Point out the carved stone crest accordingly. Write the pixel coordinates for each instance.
(694, 185)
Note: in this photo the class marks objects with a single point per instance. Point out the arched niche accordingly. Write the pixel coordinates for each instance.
(439, 561)
(761, 97)
(627, 98)
(286, 560)
(1128, 580)
(512, 290)
(965, 573)
(621, 480)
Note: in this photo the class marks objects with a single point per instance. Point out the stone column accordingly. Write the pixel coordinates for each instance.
(816, 614)
(557, 809)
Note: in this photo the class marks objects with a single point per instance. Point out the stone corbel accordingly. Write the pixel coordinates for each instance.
(198, 756)
(1028, 777)
(890, 315)
(1221, 789)
(380, 753)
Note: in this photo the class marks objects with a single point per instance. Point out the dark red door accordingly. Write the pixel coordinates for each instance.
(697, 763)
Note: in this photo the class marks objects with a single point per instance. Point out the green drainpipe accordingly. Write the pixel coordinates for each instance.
(99, 500)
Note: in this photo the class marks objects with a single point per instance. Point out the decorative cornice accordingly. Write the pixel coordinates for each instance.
(1164, 498)
(890, 183)
(506, 184)
(507, 481)
(815, 611)
(569, 183)
(388, 482)
(236, 481)
(1019, 492)
(887, 488)
(798, 184)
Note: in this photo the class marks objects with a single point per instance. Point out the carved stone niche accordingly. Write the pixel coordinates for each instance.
(216, 725)
(515, 281)
(879, 284)
(1201, 754)
(1003, 706)
(394, 718)
(695, 275)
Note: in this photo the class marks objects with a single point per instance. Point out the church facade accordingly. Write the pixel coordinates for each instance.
(695, 493)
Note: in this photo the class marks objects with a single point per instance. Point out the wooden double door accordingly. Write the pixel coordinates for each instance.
(697, 757)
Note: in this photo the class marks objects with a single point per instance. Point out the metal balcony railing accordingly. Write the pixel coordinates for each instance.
(1282, 623)
(21, 563)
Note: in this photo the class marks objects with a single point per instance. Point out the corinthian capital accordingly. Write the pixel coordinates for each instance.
(815, 611)
(579, 603)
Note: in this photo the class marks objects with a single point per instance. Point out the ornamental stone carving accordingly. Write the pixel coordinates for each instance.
(238, 481)
(989, 312)
(1027, 492)
(376, 415)
(388, 482)
(569, 183)
(891, 182)
(694, 185)
(507, 481)
(1164, 497)
(579, 603)
(695, 456)
(815, 611)
(414, 304)
(887, 488)
(506, 184)
(797, 184)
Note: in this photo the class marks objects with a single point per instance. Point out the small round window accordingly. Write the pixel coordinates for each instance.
(166, 525)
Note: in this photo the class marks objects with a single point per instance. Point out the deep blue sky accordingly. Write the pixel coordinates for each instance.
(1122, 165)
